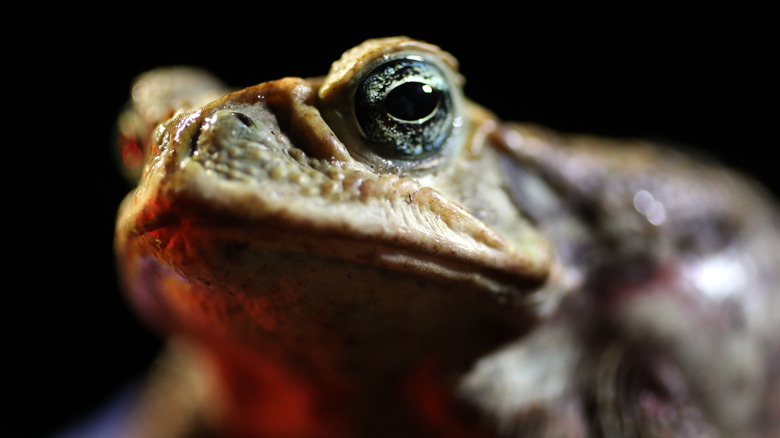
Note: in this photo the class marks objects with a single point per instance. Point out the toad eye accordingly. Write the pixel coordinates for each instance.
(405, 109)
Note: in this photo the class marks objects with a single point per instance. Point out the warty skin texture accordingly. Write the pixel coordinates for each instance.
(521, 283)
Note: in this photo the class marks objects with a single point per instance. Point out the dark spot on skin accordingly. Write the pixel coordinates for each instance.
(194, 141)
(245, 119)
(707, 236)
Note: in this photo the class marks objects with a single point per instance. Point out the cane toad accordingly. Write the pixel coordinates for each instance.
(370, 253)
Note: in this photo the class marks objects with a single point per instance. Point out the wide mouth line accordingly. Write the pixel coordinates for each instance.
(379, 251)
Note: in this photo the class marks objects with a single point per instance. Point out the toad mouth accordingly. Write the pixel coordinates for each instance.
(192, 222)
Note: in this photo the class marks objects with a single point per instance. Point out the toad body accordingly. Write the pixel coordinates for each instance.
(370, 254)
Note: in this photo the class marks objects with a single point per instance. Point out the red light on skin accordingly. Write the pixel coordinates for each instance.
(131, 155)
(427, 393)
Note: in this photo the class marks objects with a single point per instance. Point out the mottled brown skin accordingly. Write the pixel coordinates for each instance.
(514, 283)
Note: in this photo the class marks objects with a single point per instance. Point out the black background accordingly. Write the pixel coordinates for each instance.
(701, 79)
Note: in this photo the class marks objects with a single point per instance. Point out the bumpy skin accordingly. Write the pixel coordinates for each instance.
(515, 283)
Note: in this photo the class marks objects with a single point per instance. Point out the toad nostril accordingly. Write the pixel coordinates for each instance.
(243, 118)
(194, 140)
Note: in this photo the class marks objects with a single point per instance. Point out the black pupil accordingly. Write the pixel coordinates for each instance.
(412, 101)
